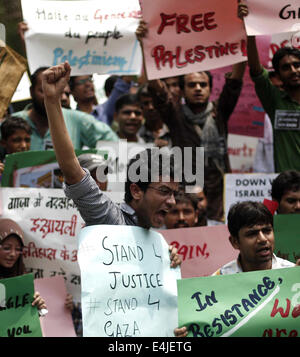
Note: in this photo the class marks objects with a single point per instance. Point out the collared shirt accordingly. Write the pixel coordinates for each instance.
(83, 129)
(234, 266)
(95, 207)
(280, 107)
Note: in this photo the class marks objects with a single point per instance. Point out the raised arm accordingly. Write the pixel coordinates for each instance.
(54, 81)
(253, 58)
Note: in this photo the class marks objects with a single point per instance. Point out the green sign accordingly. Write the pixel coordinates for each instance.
(287, 236)
(18, 318)
(264, 303)
(24, 159)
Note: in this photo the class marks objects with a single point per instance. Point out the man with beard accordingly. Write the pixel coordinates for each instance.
(283, 107)
(83, 128)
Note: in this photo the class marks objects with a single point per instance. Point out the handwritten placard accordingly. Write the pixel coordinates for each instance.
(18, 318)
(51, 224)
(128, 287)
(268, 17)
(254, 304)
(189, 36)
(202, 249)
(94, 37)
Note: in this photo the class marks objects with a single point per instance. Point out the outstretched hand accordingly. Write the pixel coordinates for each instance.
(242, 10)
(141, 30)
(55, 79)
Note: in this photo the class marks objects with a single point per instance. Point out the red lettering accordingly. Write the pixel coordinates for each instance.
(283, 314)
(165, 18)
(181, 22)
(274, 48)
(178, 63)
(296, 311)
(269, 333)
(196, 21)
(208, 20)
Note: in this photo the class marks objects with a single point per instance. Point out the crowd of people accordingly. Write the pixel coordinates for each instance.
(171, 112)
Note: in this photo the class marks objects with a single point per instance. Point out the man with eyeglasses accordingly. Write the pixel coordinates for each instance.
(83, 91)
(151, 179)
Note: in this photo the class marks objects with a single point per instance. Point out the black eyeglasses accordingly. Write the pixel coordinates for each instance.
(165, 191)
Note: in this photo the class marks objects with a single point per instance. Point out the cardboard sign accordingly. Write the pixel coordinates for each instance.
(12, 67)
(255, 304)
(18, 318)
(58, 322)
(93, 37)
(191, 36)
(128, 287)
(203, 249)
(268, 17)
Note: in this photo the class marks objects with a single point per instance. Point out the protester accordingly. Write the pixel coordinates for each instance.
(264, 153)
(154, 130)
(278, 103)
(146, 203)
(83, 128)
(184, 213)
(129, 117)
(286, 192)
(200, 122)
(11, 261)
(83, 91)
(15, 136)
(250, 225)
(173, 85)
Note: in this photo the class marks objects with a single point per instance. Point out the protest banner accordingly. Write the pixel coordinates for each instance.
(203, 250)
(51, 224)
(93, 37)
(263, 303)
(241, 152)
(267, 17)
(22, 91)
(12, 67)
(286, 230)
(18, 318)
(191, 36)
(128, 287)
(58, 321)
(245, 187)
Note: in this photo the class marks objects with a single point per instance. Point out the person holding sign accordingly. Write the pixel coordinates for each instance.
(286, 192)
(283, 107)
(200, 122)
(250, 225)
(11, 262)
(146, 203)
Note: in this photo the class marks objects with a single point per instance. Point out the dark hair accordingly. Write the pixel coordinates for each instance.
(247, 214)
(189, 198)
(16, 270)
(11, 124)
(146, 165)
(126, 99)
(182, 80)
(109, 84)
(34, 76)
(280, 53)
(286, 181)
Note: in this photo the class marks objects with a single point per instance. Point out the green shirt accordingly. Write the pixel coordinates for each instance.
(83, 129)
(280, 107)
